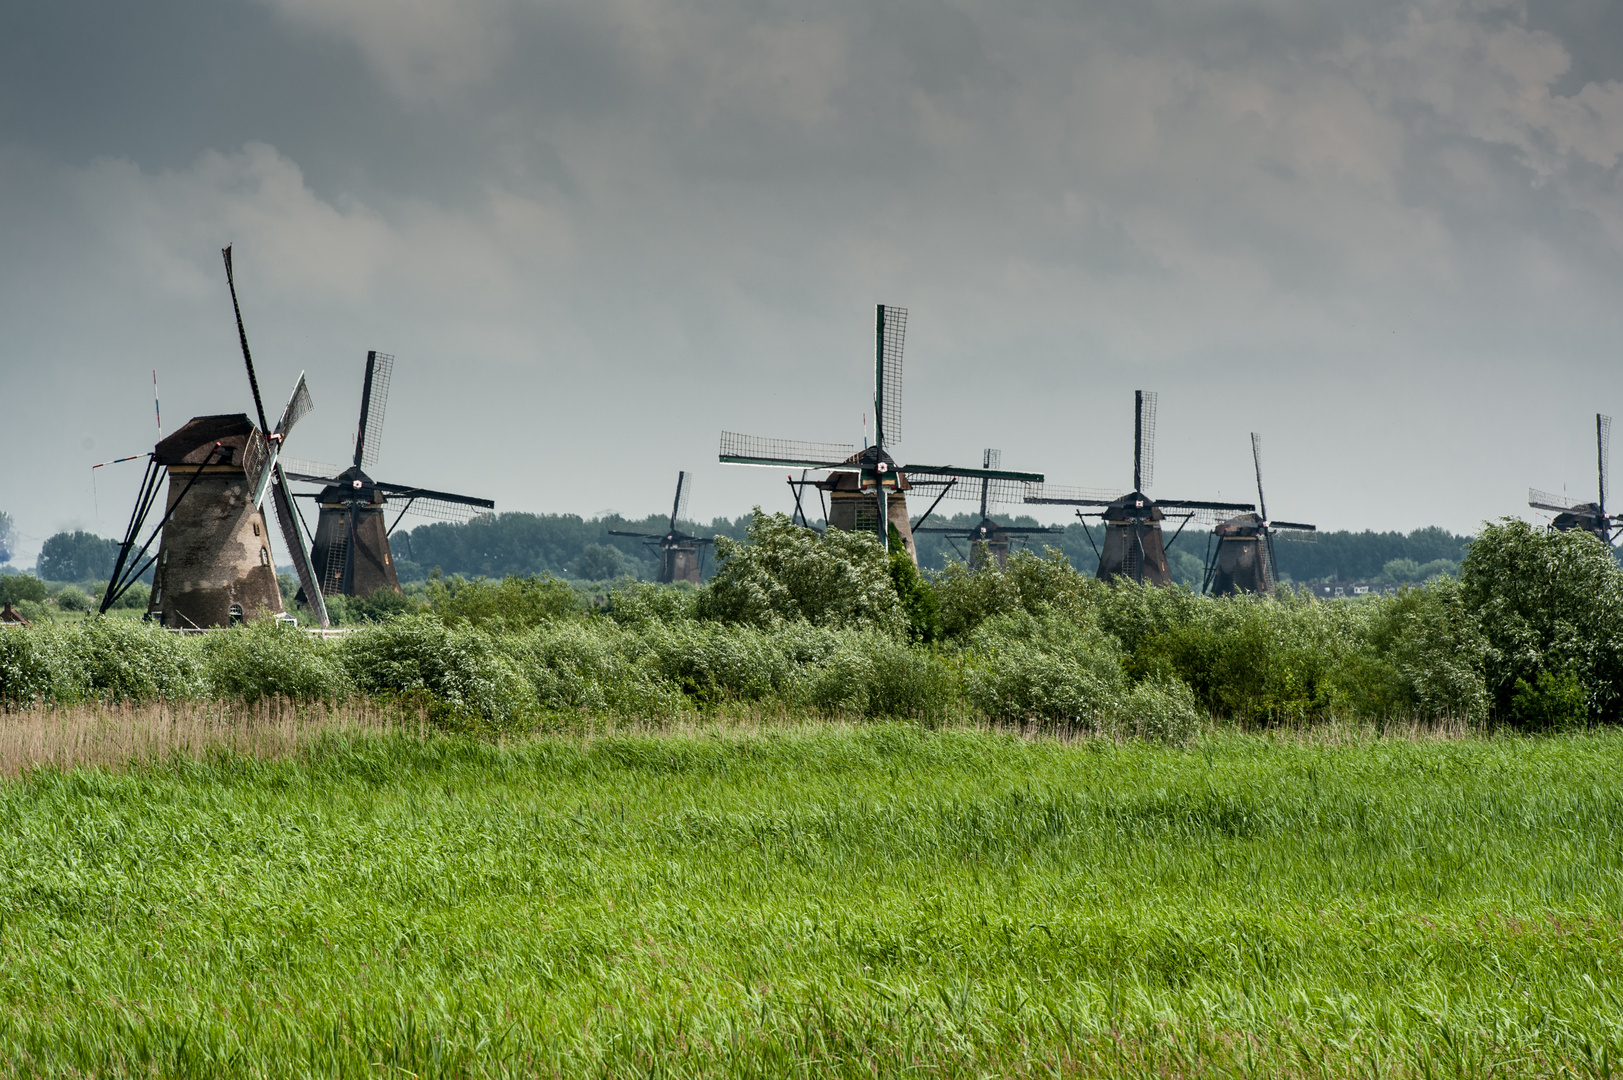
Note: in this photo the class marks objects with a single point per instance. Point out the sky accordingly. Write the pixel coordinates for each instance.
(1388, 236)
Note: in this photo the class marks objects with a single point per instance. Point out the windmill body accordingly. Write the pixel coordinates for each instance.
(1240, 551)
(866, 489)
(350, 554)
(681, 555)
(1591, 517)
(1135, 546)
(214, 564)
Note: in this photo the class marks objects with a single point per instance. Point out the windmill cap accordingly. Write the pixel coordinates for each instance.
(191, 444)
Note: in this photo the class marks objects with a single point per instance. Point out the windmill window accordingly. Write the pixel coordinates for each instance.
(236, 614)
(157, 596)
(256, 528)
(264, 556)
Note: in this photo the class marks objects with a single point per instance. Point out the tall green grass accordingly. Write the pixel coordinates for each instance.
(821, 900)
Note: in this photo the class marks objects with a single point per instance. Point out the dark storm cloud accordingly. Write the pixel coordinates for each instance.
(1386, 234)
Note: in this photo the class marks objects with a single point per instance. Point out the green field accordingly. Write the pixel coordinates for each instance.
(820, 899)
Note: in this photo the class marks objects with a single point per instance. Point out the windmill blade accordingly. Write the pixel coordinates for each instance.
(1064, 495)
(374, 399)
(1206, 504)
(684, 488)
(740, 449)
(242, 335)
(926, 472)
(256, 455)
(996, 491)
(1144, 402)
(288, 521)
(890, 335)
(459, 513)
(405, 491)
(1547, 500)
(299, 404)
(1291, 526)
(1603, 455)
(1256, 457)
(310, 472)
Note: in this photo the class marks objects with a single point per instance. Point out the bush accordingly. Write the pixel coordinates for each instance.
(1546, 602)
(381, 606)
(266, 659)
(1029, 583)
(712, 664)
(473, 682)
(600, 562)
(642, 603)
(870, 675)
(1556, 703)
(918, 599)
(42, 664)
(1160, 710)
(514, 604)
(136, 661)
(595, 667)
(73, 598)
(1046, 668)
(785, 572)
(1425, 654)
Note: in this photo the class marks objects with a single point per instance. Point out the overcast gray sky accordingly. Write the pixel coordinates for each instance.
(1387, 235)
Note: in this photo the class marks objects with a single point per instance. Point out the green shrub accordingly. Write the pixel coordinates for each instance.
(266, 659)
(73, 598)
(1160, 709)
(593, 666)
(1547, 602)
(381, 606)
(42, 664)
(513, 604)
(918, 599)
(786, 573)
(639, 603)
(1046, 668)
(1556, 703)
(870, 675)
(134, 598)
(1424, 654)
(136, 661)
(712, 663)
(474, 681)
(967, 598)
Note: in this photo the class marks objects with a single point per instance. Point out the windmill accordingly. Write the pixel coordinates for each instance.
(351, 554)
(866, 488)
(681, 556)
(1134, 545)
(213, 564)
(988, 540)
(1243, 559)
(1590, 517)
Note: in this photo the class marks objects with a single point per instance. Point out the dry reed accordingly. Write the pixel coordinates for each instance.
(111, 736)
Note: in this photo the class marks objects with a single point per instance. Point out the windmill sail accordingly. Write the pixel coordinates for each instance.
(374, 399)
(286, 518)
(891, 334)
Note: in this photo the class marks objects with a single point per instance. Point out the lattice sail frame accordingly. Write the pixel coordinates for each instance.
(776, 452)
(1603, 455)
(684, 484)
(1549, 500)
(440, 510)
(1147, 444)
(968, 488)
(892, 332)
(377, 403)
(299, 404)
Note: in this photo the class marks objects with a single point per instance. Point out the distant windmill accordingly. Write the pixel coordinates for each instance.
(213, 564)
(866, 488)
(987, 539)
(1243, 559)
(1590, 517)
(351, 552)
(1134, 546)
(681, 556)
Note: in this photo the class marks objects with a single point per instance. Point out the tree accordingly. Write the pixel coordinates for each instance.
(599, 562)
(77, 556)
(1550, 605)
(787, 572)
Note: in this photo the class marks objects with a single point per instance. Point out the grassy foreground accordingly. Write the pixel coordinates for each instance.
(820, 900)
